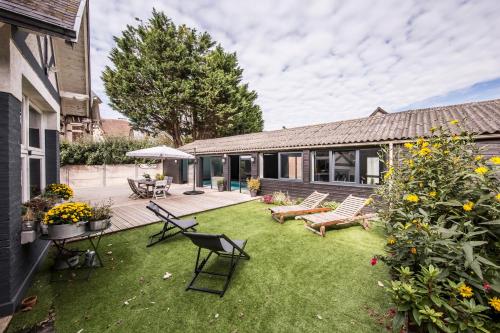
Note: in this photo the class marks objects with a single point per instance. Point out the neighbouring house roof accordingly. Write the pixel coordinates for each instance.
(116, 128)
(482, 118)
(60, 18)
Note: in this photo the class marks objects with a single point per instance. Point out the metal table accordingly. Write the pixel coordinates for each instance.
(64, 253)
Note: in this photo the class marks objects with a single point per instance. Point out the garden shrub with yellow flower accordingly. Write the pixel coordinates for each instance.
(68, 213)
(440, 206)
(61, 191)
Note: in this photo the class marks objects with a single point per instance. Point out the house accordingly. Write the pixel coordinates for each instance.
(112, 128)
(38, 39)
(340, 158)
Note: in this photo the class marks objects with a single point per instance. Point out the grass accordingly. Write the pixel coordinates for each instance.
(293, 276)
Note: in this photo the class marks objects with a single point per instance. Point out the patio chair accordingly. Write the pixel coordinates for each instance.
(137, 192)
(345, 214)
(223, 247)
(308, 206)
(160, 189)
(170, 221)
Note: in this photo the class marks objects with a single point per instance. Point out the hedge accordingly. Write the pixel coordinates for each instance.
(109, 151)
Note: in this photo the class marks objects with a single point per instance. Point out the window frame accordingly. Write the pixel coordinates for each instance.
(301, 179)
(357, 174)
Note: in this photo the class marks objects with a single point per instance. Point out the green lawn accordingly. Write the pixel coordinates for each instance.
(295, 282)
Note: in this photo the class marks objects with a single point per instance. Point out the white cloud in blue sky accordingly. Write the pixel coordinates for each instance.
(320, 61)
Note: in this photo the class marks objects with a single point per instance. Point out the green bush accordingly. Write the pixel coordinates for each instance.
(440, 205)
(109, 151)
(330, 204)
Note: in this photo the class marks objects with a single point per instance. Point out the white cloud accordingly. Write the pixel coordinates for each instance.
(321, 61)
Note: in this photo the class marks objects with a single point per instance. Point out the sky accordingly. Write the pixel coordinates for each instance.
(320, 61)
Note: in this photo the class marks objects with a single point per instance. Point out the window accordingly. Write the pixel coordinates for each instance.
(35, 123)
(370, 166)
(291, 165)
(35, 179)
(345, 166)
(360, 166)
(270, 166)
(322, 166)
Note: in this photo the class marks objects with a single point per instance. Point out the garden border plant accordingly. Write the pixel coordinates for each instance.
(440, 205)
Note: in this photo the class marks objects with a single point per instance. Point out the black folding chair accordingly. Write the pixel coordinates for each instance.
(223, 247)
(170, 222)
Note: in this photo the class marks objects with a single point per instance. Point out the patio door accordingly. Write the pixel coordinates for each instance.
(245, 171)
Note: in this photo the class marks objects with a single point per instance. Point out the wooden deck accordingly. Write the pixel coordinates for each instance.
(129, 213)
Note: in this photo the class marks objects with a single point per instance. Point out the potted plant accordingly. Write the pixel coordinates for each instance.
(68, 219)
(159, 176)
(59, 191)
(253, 185)
(220, 185)
(101, 216)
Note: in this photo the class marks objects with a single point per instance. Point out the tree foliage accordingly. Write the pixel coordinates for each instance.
(174, 79)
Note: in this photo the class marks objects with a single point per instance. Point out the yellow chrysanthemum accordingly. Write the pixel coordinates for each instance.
(432, 194)
(408, 145)
(481, 170)
(497, 197)
(412, 198)
(495, 160)
(495, 303)
(478, 157)
(468, 206)
(465, 290)
(454, 122)
(391, 241)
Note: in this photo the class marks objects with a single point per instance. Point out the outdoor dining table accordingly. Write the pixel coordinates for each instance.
(150, 183)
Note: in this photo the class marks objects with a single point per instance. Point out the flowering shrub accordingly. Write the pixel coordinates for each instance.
(68, 213)
(61, 191)
(253, 184)
(440, 205)
(267, 199)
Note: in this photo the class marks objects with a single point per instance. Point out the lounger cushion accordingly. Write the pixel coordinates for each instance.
(228, 247)
(184, 224)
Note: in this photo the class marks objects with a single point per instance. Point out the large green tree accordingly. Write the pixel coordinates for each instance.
(173, 79)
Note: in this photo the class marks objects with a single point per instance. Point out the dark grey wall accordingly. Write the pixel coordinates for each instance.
(52, 156)
(17, 262)
(173, 169)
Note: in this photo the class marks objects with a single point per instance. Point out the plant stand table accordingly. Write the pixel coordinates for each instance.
(65, 254)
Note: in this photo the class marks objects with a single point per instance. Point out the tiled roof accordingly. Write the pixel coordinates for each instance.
(479, 117)
(116, 128)
(60, 17)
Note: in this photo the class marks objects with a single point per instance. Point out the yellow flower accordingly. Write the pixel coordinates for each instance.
(412, 198)
(465, 290)
(478, 157)
(408, 145)
(495, 160)
(410, 163)
(455, 137)
(468, 206)
(391, 241)
(424, 151)
(368, 201)
(420, 141)
(481, 170)
(497, 197)
(454, 122)
(433, 129)
(495, 303)
(413, 250)
(432, 194)
(425, 144)
(437, 145)
(389, 173)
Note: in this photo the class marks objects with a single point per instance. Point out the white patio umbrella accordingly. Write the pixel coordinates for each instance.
(165, 153)
(161, 152)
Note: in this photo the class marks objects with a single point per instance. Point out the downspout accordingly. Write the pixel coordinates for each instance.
(89, 85)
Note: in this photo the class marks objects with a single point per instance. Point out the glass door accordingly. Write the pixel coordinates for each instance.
(245, 172)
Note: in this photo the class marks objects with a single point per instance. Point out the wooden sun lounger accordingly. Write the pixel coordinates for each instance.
(346, 214)
(308, 206)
